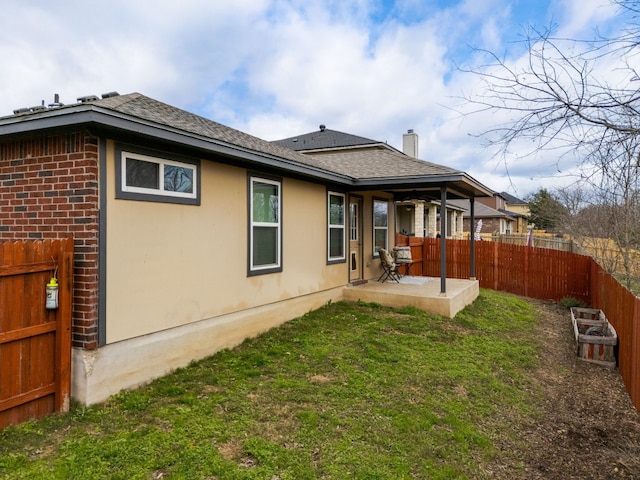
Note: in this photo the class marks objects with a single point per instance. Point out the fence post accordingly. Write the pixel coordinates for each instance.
(527, 251)
(495, 265)
(62, 395)
(634, 381)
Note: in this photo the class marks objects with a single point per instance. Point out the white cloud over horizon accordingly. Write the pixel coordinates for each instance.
(277, 68)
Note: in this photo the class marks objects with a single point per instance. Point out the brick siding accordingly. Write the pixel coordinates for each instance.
(489, 225)
(49, 190)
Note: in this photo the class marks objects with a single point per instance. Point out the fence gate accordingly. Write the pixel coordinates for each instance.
(35, 342)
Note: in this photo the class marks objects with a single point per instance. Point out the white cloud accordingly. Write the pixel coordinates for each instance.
(335, 73)
(276, 68)
(579, 18)
(165, 49)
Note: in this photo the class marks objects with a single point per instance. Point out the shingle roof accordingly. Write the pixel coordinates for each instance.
(143, 107)
(480, 210)
(379, 163)
(322, 139)
(512, 200)
(159, 113)
(134, 112)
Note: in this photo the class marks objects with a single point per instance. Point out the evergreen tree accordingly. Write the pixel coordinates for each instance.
(546, 210)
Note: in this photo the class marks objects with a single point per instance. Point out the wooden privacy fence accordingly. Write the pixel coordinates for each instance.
(622, 309)
(543, 241)
(35, 343)
(547, 275)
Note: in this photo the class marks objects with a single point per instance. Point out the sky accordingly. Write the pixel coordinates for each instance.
(280, 68)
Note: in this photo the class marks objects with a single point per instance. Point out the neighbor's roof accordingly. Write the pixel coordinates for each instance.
(512, 200)
(141, 115)
(480, 210)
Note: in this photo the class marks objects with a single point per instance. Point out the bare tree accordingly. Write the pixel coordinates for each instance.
(555, 99)
(603, 210)
(558, 99)
(588, 223)
(620, 195)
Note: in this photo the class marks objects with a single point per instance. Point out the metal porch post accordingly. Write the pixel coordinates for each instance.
(472, 211)
(443, 240)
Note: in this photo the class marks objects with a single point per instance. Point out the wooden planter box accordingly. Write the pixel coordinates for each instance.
(595, 337)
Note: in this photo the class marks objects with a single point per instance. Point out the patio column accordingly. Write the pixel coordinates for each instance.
(454, 223)
(432, 227)
(443, 241)
(418, 219)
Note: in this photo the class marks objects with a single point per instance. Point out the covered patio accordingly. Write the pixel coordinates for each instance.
(422, 189)
(420, 292)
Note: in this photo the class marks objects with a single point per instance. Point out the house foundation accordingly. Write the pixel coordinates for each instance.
(98, 374)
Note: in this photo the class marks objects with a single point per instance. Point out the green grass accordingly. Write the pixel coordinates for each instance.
(351, 390)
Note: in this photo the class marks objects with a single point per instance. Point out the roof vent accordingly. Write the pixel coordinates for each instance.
(110, 94)
(88, 98)
(323, 127)
(19, 111)
(56, 101)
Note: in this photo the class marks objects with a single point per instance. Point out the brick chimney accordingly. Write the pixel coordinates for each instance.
(410, 143)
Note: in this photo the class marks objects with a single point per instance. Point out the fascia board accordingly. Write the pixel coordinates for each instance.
(431, 181)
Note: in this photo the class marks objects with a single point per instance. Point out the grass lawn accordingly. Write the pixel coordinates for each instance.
(351, 390)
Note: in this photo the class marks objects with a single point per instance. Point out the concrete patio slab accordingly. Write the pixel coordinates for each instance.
(410, 292)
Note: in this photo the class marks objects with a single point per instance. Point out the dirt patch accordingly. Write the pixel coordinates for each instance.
(589, 428)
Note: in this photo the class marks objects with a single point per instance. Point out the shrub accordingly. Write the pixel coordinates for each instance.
(568, 302)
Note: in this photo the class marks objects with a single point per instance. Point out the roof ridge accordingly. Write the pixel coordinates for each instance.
(327, 130)
(324, 138)
(117, 100)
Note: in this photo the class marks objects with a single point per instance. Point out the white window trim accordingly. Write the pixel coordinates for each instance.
(341, 227)
(277, 225)
(503, 226)
(157, 191)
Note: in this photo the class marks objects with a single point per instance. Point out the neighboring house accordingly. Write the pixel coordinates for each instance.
(417, 213)
(520, 208)
(494, 222)
(516, 209)
(516, 205)
(191, 236)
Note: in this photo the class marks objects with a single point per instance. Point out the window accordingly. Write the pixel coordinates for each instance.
(380, 225)
(141, 176)
(265, 226)
(336, 230)
(505, 227)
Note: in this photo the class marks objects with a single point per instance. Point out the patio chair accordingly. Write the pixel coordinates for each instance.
(389, 267)
(403, 258)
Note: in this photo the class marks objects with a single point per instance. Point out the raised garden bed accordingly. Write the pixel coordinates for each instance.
(595, 337)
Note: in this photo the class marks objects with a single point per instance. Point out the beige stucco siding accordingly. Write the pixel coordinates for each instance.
(170, 265)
